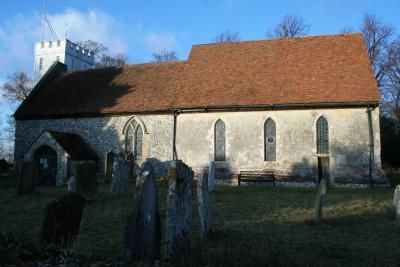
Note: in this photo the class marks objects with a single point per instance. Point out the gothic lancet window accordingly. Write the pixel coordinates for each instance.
(138, 143)
(270, 140)
(134, 140)
(322, 136)
(219, 141)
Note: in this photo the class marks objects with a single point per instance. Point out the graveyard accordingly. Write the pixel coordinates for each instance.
(251, 225)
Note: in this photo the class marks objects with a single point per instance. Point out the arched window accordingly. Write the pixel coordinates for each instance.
(138, 143)
(322, 136)
(134, 139)
(219, 141)
(270, 140)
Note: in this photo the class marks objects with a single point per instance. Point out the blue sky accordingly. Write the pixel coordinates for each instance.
(140, 28)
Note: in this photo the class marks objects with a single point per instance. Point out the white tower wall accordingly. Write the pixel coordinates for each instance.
(46, 53)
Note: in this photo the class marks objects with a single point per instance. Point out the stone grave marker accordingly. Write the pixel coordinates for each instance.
(86, 182)
(319, 201)
(396, 203)
(132, 174)
(178, 222)
(121, 171)
(62, 220)
(108, 164)
(72, 184)
(211, 176)
(26, 178)
(204, 205)
(142, 234)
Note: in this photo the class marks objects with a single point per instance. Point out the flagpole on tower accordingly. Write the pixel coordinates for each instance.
(43, 19)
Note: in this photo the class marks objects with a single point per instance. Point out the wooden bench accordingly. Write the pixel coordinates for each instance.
(257, 176)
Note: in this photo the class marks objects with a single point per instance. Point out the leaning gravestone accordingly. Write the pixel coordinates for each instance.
(72, 184)
(396, 203)
(62, 220)
(86, 182)
(211, 176)
(132, 174)
(204, 206)
(26, 178)
(109, 162)
(121, 171)
(319, 201)
(142, 235)
(178, 222)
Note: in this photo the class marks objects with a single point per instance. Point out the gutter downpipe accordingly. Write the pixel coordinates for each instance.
(371, 145)
(174, 153)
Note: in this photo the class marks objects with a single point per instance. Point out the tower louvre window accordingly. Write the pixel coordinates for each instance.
(40, 63)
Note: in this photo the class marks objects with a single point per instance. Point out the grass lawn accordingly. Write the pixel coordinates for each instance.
(252, 225)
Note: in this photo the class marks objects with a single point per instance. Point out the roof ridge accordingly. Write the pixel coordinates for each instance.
(281, 39)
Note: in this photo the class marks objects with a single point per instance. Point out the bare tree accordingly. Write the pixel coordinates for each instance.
(346, 29)
(289, 27)
(17, 87)
(165, 56)
(93, 46)
(377, 37)
(109, 61)
(226, 37)
(102, 58)
(392, 89)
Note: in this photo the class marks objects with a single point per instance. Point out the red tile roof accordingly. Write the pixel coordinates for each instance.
(310, 70)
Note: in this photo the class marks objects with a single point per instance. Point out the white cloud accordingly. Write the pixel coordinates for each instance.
(159, 41)
(18, 34)
(96, 25)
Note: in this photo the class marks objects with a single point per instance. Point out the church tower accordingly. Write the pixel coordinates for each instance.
(47, 52)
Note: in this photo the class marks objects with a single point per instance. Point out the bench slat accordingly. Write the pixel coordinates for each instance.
(256, 176)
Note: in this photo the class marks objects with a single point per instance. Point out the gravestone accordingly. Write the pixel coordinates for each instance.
(178, 222)
(142, 234)
(86, 182)
(160, 169)
(204, 205)
(121, 171)
(72, 184)
(211, 176)
(396, 203)
(26, 178)
(319, 201)
(62, 220)
(109, 161)
(132, 174)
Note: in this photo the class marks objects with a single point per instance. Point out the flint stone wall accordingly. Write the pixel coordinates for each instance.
(244, 135)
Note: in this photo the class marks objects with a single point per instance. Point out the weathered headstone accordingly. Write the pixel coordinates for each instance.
(319, 201)
(204, 206)
(121, 171)
(178, 222)
(62, 219)
(142, 235)
(86, 182)
(396, 203)
(26, 178)
(72, 184)
(211, 176)
(132, 174)
(108, 164)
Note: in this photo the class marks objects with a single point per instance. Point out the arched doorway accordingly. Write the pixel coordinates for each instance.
(46, 161)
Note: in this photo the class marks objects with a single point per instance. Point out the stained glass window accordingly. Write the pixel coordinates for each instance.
(322, 136)
(219, 145)
(270, 140)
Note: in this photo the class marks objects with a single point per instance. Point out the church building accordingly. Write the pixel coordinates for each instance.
(305, 108)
